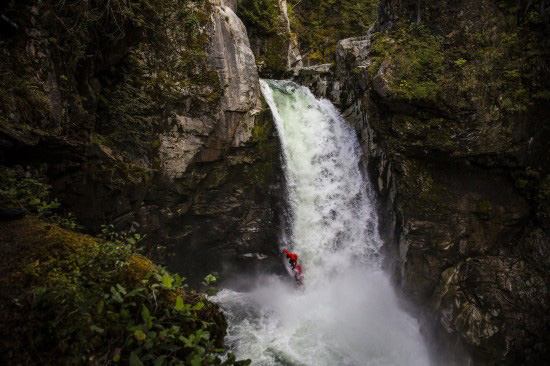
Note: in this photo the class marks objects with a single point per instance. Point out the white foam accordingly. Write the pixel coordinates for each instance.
(347, 312)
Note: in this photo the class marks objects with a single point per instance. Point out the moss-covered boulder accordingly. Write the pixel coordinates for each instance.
(67, 298)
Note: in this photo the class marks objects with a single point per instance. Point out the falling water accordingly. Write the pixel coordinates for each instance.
(347, 312)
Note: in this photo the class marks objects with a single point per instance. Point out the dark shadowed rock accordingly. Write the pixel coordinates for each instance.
(460, 162)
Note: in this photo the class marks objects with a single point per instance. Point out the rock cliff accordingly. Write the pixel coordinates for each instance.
(451, 103)
(148, 116)
(273, 43)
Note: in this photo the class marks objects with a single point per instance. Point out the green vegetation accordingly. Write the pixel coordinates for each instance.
(503, 65)
(68, 298)
(165, 72)
(260, 16)
(316, 25)
(81, 300)
(268, 35)
(28, 189)
(416, 59)
(320, 24)
(495, 63)
(484, 208)
(117, 69)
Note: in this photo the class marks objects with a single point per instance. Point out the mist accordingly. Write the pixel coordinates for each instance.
(346, 312)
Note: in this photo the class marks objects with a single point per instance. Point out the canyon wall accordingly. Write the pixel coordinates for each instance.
(451, 103)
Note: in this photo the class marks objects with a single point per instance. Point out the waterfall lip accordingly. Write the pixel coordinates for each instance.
(275, 84)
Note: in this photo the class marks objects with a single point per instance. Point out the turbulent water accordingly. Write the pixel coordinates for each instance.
(346, 313)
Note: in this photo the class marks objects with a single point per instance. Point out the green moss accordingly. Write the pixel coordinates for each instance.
(260, 16)
(265, 24)
(493, 68)
(102, 140)
(273, 62)
(155, 144)
(427, 198)
(424, 132)
(319, 25)
(119, 173)
(82, 300)
(416, 59)
(260, 132)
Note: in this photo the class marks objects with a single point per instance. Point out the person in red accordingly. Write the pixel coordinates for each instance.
(293, 261)
(292, 258)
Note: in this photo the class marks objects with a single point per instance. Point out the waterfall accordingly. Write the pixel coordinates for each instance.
(346, 313)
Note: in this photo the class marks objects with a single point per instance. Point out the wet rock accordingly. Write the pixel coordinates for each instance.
(8, 214)
(465, 240)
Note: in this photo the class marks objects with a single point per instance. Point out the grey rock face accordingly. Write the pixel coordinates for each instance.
(179, 146)
(231, 56)
(294, 58)
(232, 211)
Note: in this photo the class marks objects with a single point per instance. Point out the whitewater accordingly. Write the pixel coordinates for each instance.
(347, 312)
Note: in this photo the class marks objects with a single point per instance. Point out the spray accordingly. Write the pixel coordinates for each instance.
(347, 312)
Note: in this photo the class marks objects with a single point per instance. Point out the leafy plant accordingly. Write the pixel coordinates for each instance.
(88, 301)
(209, 283)
(27, 188)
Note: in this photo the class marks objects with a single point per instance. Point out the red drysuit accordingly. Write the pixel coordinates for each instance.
(292, 258)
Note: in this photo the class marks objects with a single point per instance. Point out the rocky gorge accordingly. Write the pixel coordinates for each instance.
(148, 116)
(459, 154)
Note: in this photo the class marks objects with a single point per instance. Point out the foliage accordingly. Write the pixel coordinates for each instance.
(98, 302)
(90, 301)
(320, 24)
(416, 58)
(261, 16)
(119, 69)
(28, 189)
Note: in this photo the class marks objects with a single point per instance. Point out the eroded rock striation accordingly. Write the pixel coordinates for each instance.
(450, 101)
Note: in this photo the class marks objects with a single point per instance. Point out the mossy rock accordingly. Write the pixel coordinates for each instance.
(56, 283)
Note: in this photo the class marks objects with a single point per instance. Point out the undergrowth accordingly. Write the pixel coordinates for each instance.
(70, 299)
(27, 189)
